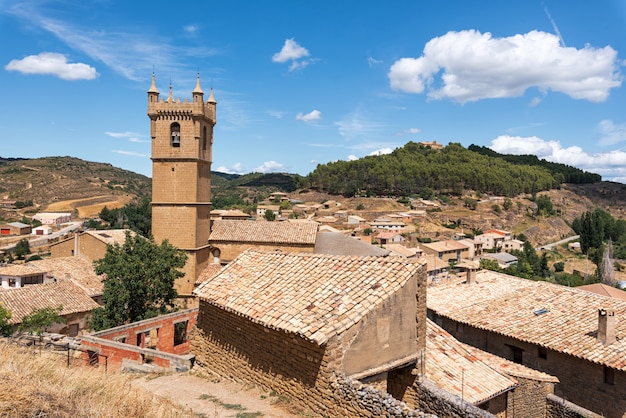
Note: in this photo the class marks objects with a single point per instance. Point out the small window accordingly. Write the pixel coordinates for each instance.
(180, 332)
(517, 354)
(542, 352)
(204, 138)
(609, 375)
(175, 133)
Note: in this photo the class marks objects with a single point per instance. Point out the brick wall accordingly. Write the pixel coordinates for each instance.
(581, 381)
(560, 408)
(126, 343)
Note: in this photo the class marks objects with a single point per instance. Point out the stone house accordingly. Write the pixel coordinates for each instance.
(389, 237)
(76, 305)
(91, 245)
(400, 250)
(14, 228)
(512, 244)
(75, 269)
(448, 250)
(387, 224)
(232, 214)
(261, 209)
(228, 239)
(355, 220)
(295, 323)
(493, 238)
(497, 385)
(574, 335)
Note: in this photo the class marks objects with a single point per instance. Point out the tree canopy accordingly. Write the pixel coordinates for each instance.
(139, 283)
(413, 168)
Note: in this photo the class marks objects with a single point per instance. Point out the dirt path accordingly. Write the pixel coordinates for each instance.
(213, 399)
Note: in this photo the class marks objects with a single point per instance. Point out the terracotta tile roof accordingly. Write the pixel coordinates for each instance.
(21, 302)
(76, 269)
(110, 236)
(508, 367)
(559, 318)
(264, 232)
(208, 273)
(602, 289)
(21, 270)
(453, 368)
(312, 295)
(442, 246)
(387, 234)
(401, 250)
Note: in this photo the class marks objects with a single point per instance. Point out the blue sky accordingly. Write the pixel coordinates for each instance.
(300, 83)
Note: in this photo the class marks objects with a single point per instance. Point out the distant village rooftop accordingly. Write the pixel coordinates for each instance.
(264, 232)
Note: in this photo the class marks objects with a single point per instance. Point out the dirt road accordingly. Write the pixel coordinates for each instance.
(214, 399)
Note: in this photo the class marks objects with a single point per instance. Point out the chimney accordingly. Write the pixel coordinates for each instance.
(471, 275)
(606, 326)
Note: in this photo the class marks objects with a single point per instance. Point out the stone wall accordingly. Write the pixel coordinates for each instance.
(230, 250)
(581, 381)
(428, 398)
(233, 347)
(560, 408)
(528, 399)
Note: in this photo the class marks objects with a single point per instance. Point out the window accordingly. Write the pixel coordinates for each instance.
(204, 138)
(517, 354)
(542, 352)
(175, 133)
(609, 376)
(180, 332)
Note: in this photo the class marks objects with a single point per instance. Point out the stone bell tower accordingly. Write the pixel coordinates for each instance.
(182, 137)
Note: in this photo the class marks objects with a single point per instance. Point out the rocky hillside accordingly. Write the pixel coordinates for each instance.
(52, 180)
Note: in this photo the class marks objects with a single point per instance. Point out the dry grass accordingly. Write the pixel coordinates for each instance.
(90, 206)
(34, 385)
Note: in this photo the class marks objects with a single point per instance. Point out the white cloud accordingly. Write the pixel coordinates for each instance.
(381, 151)
(270, 167)
(237, 168)
(52, 63)
(122, 134)
(611, 133)
(290, 51)
(293, 52)
(371, 61)
(468, 66)
(131, 153)
(352, 157)
(410, 131)
(610, 165)
(131, 54)
(276, 114)
(309, 117)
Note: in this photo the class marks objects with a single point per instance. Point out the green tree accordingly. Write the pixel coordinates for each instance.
(507, 204)
(139, 283)
(488, 264)
(269, 215)
(6, 329)
(22, 248)
(40, 319)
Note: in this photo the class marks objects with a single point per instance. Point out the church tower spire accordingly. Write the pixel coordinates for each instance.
(182, 138)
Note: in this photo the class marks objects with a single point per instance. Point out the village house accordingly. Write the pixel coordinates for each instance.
(232, 214)
(400, 250)
(493, 238)
(76, 305)
(91, 244)
(389, 237)
(577, 336)
(431, 144)
(503, 388)
(504, 260)
(449, 250)
(53, 218)
(14, 228)
(297, 323)
(385, 223)
(228, 239)
(512, 244)
(261, 209)
(278, 197)
(355, 220)
(78, 270)
(9, 204)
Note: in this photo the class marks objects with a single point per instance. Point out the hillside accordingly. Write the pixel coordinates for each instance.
(67, 183)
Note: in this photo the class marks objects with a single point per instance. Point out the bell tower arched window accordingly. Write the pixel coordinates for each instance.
(175, 134)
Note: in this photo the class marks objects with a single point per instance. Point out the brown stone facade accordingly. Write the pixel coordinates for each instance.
(162, 341)
(582, 382)
(230, 250)
(79, 244)
(182, 137)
